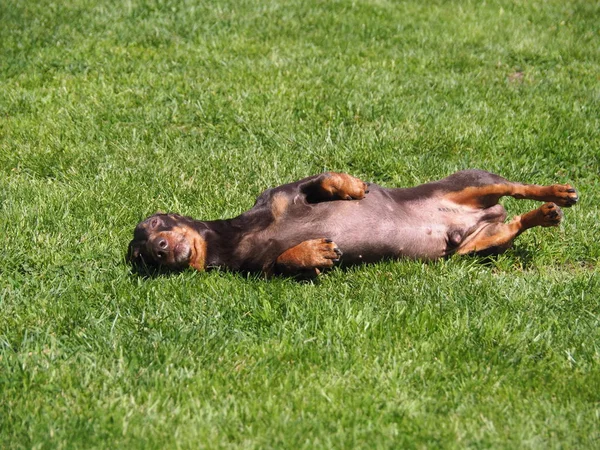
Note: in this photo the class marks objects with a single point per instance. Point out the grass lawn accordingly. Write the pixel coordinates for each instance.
(112, 110)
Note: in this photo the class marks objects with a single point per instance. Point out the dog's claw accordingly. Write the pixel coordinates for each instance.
(566, 195)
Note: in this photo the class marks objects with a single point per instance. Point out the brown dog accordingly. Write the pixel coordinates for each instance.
(303, 227)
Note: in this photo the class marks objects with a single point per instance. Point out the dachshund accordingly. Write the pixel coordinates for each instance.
(302, 228)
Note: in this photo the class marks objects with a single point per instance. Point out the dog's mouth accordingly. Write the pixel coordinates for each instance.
(170, 252)
(182, 252)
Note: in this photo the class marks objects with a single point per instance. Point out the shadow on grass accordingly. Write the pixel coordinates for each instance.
(148, 272)
(491, 259)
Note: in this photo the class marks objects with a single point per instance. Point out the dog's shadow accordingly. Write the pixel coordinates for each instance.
(517, 255)
(148, 272)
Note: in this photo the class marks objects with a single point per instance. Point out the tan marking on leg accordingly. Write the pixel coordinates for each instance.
(495, 235)
(547, 215)
(479, 196)
(486, 196)
(311, 254)
(501, 235)
(343, 186)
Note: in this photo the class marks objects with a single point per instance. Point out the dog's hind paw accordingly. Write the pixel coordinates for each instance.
(550, 215)
(565, 195)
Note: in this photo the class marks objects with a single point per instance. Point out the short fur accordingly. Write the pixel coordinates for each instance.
(304, 227)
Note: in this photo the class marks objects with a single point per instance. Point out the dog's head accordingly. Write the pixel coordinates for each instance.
(166, 241)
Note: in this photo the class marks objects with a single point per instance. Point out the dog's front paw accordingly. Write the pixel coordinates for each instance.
(344, 187)
(327, 253)
(317, 253)
(310, 256)
(354, 189)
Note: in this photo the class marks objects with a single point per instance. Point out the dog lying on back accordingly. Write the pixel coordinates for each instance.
(304, 227)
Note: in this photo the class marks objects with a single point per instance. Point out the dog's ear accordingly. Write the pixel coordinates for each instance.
(133, 253)
(135, 258)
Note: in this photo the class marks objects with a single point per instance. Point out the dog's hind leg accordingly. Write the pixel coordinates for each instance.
(497, 237)
(488, 195)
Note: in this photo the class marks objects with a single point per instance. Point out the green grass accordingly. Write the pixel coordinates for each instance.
(114, 110)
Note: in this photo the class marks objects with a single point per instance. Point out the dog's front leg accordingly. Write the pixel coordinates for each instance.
(308, 258)
(334, 186)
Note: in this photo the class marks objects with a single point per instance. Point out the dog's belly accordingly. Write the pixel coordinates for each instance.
(383, 242)
(369, 233)
(379, 227)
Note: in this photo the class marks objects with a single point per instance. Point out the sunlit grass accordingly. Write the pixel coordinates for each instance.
(112, 111)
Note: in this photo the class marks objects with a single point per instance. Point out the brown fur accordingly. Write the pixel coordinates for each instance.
(303, 227)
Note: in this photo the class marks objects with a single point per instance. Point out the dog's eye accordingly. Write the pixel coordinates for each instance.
(154, 223)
